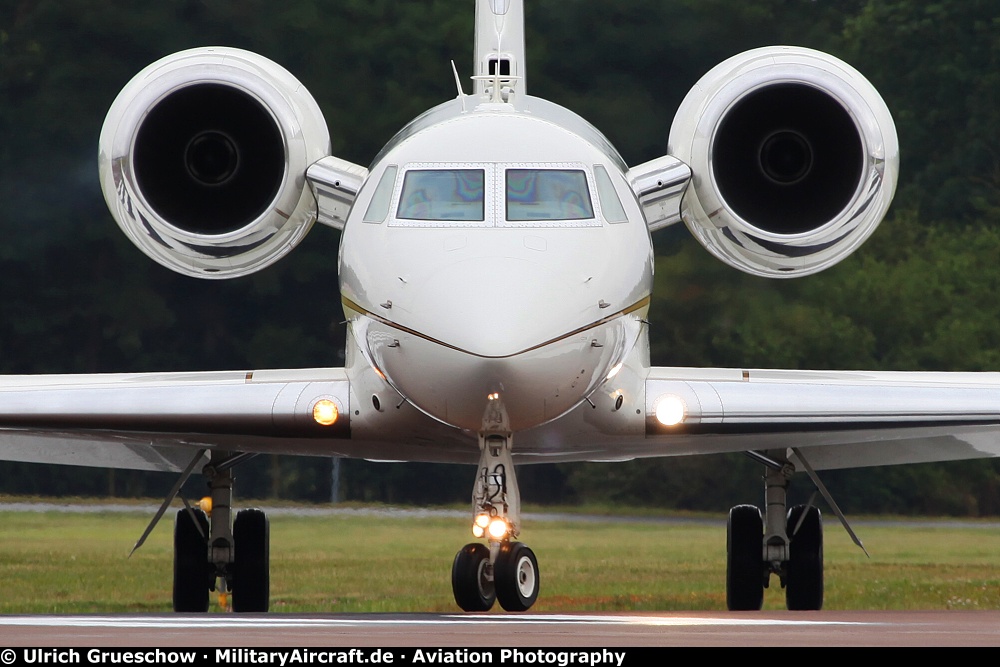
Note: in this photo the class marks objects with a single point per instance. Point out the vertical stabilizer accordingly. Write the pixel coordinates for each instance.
(499, 45)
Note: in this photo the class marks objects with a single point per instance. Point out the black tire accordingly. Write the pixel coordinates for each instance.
(251, 584)
(744, 559)
(516, 577)
(804, 570)
(473, 589)
(192, 571)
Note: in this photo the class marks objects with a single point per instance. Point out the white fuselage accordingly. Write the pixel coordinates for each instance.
(502, 290)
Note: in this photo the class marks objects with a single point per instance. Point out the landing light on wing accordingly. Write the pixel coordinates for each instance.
(670, 410)
(325, 412)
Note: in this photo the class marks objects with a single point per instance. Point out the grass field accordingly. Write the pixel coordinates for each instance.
(56, 562)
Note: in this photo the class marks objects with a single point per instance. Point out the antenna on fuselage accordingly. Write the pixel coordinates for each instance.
(458, 84)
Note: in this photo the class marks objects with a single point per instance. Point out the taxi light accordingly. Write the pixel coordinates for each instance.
(670, 410)
(480, 524)
(498, 528)
(205, 505)
(325, 412)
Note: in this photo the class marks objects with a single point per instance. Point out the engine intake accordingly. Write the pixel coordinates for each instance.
(203, 160)
(794, 156)
(209, 158)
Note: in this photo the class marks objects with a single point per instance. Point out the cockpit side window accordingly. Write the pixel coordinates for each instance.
(378, 208)
(442, 195)
(547, 194)
(611, 205)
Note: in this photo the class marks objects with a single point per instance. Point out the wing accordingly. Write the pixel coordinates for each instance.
(839, 419)
(157, 421)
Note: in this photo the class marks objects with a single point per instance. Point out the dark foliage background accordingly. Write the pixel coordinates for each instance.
(76, 297)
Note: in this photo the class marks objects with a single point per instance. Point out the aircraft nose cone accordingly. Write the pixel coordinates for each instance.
(495, 306)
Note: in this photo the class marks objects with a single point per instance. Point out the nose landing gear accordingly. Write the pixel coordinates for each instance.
(506, 571)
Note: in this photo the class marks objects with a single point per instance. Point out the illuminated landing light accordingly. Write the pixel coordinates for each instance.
(205, 505)
(480, 524)
(670, 410)
(614, 370)
(325, 412)
(494, 396)
(498, 528)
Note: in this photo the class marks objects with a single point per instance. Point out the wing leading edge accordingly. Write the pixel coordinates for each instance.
(838, 418)
(152, 421)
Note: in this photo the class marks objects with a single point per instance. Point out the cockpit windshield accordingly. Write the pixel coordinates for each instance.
(547, 194)
(442, 194)
(557, 194)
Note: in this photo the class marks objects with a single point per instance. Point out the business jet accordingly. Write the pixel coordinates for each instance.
(496, 269)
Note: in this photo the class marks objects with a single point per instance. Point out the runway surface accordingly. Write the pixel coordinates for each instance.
(930, 628)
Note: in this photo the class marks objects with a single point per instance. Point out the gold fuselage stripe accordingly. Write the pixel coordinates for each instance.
(638, 305)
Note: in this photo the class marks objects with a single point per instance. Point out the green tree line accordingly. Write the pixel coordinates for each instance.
(75, 296)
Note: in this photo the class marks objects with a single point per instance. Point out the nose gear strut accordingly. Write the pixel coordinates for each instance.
(505, 570)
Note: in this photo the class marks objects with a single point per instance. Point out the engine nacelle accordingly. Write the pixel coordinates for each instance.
(203, 160)
(794, 158)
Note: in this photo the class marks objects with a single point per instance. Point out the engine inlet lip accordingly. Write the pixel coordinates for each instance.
(782, 149)
(211, 158)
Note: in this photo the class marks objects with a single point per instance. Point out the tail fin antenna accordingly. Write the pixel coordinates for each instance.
(499, 48)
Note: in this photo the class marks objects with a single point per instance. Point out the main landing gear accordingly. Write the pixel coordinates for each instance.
(212, 552)
(789, 545)
(505, 571)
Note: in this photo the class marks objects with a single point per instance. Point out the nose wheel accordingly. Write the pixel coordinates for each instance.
(512, 579)
(516, 577)
(472, 578)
